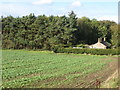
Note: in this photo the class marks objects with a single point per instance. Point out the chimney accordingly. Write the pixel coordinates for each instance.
(104, 39)
(99, 40)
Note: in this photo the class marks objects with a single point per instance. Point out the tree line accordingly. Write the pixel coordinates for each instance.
(45, 32)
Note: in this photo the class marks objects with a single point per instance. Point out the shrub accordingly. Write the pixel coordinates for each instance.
(80, 45)
(8, 44)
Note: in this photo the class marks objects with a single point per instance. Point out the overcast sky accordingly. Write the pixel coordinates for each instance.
(99, 9)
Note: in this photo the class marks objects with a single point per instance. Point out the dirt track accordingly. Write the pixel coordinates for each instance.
(105, 74)
(107, 83)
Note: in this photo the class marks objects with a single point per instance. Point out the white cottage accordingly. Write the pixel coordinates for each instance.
(101, 44)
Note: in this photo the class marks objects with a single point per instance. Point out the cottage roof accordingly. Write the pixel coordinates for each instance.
(101, 43)
(106, 44)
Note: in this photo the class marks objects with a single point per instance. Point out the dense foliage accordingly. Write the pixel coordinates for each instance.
(88, 51)
(45, 32)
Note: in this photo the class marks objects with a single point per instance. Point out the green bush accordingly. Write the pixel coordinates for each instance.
(88, 51)
(80, 45)
(8, 44)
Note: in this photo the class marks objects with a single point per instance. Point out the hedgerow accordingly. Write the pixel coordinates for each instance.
(88, 51)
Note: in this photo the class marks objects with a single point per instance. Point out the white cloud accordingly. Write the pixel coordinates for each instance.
(41, 2)
(111, 18)
(14, 10)
(76, 3)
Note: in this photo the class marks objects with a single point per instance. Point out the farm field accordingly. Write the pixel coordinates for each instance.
(43, 69)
